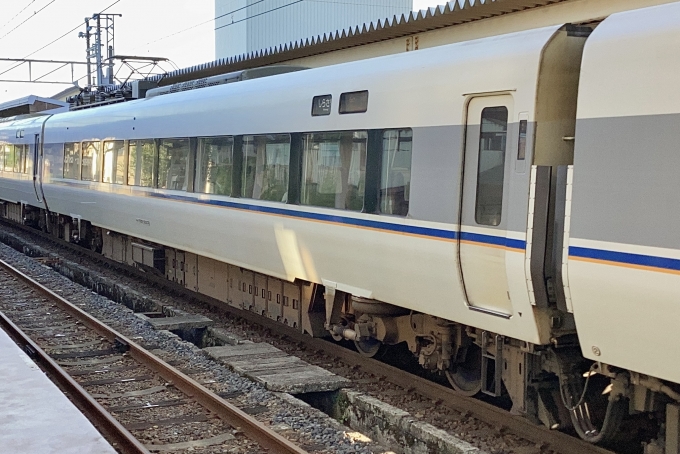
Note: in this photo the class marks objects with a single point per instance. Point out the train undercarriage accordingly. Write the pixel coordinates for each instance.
(550, 384)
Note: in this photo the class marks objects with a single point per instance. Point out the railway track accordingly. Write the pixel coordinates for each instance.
(129, 393)
(544, 439)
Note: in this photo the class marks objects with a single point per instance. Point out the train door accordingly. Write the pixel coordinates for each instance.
(482, 235)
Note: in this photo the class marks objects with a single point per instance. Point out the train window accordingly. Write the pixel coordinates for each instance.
(334, 169)
(173, 157)
(491, 165)
(266, 161)
(114, 162)
(395, 174)
(91, 161)
(141, 162)
(20, 158)
(25, 162)
(354, 102)
(214, 165)
(72, 161)
(10, 157)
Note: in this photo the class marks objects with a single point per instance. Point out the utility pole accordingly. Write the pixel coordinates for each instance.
(103, 25)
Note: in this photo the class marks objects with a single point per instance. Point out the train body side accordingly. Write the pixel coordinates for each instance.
(17, 170)
(624, 244)
(411, 262)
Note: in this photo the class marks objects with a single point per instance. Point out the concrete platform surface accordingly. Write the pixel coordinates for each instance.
(277, 370)
(35, 416)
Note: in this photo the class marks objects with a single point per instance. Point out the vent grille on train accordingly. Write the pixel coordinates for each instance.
(236, 76)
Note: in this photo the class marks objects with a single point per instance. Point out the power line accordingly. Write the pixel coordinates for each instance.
(260, 14)
(351, 3)
(205, 22)
(17, 14)
(29, 18)
(55, 40)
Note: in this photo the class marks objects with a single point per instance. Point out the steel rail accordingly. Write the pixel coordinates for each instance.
(557, 441)
(102, 419)
(229, 413)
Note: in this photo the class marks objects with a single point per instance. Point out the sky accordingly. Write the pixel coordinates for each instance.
(180, 30)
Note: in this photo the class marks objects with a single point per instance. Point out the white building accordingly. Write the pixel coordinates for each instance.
(245, 26)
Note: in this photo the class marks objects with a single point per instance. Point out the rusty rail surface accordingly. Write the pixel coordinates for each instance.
(229, 413)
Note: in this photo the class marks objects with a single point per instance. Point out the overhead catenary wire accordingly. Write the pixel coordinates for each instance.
(27, 19)
(17, 14)
(260, 14)
(205, 22)
(54, 41)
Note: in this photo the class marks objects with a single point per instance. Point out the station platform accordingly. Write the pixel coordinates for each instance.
(35, 416)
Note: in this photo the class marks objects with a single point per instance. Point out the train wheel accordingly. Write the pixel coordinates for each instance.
(466, 377)
(368, 347)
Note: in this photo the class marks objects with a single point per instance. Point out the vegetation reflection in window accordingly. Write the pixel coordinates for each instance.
(91, 161)
(214, 165)
(24, 160)
(395, 174)
(114, 162)
(491, 165)
(334, 169)
(20, 158)
(10, 157)
(71, 161)
(173, 157)
(266, 161)
(141, 157)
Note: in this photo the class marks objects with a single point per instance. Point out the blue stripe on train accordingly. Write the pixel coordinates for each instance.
(366, 223)
(625, 257)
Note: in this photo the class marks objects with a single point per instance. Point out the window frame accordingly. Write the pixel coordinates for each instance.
(199, 171)
(187, 164)
(154, 162)
(72, 165)
(497, 217)
(246, 182)
(306, 196)
(406, 186)
(97, 177)
(114, 165)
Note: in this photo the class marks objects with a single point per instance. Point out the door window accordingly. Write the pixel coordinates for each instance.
(491, 165)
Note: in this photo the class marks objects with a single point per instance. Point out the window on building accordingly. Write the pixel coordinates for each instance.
(266, 161)
(141, 162)
(214, 165)
(334, 169)
(114, 162)
(72, 161)
(395, 174)
(491, 165)
(173, 159)
(91, 161)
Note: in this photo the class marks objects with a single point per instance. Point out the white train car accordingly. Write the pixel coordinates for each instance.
(622, 250)
(420, 198)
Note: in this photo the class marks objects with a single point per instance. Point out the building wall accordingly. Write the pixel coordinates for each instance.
(253, 25)
(569, 11)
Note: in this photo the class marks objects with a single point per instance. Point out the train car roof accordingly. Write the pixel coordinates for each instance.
(630, 66)
(426, 86)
